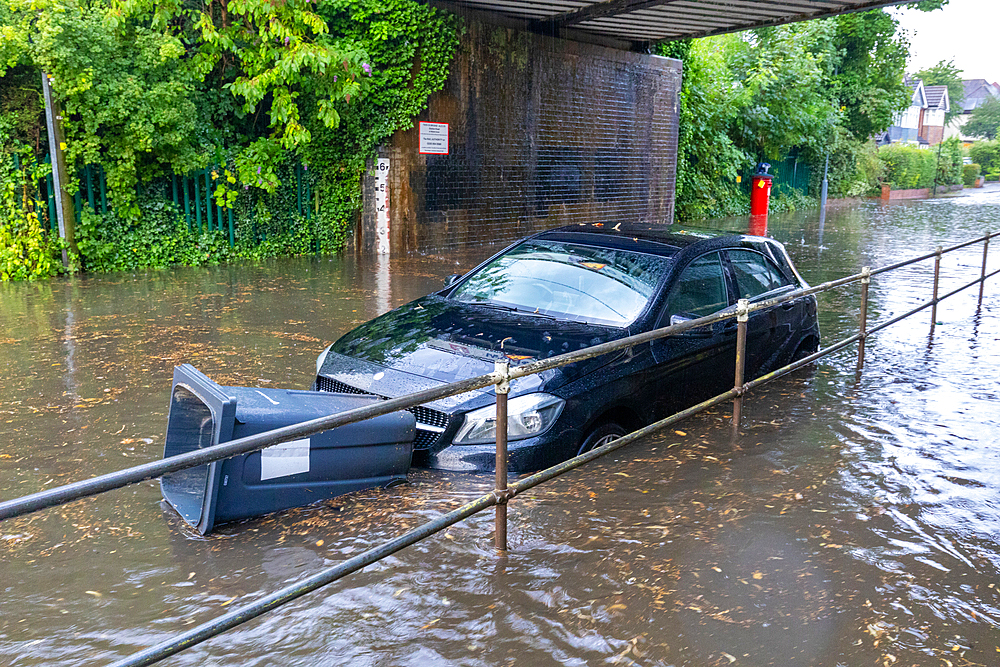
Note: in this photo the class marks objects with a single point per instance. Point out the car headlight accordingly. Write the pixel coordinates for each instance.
(322, 358)
(527, 416)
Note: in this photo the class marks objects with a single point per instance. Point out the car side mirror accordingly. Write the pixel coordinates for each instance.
(451, 280)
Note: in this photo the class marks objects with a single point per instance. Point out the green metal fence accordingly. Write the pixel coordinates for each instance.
(790, 175)
(191, 194)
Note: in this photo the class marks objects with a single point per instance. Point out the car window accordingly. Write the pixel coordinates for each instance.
(568, 281)
(755, 274)
(700, 290)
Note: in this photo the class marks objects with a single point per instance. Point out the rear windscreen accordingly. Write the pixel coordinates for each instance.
(189, 427)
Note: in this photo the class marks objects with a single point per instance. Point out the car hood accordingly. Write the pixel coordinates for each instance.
(434, 340)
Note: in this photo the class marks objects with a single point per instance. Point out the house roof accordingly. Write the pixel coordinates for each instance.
(977, 91)
(937, 98)
(919, 97)
(633, 23)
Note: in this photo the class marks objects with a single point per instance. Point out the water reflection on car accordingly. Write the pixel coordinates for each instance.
(568, 289)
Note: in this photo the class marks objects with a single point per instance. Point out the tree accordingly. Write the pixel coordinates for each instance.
(869, 60)
(946, 74)
(128, 74)
(984, 121)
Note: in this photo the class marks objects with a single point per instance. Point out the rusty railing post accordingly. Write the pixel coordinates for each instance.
(937, 276)
(742, 315)
(982, 276)
(866, 279)
(502, 369)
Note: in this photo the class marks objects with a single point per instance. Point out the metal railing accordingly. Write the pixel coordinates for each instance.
(504, 492)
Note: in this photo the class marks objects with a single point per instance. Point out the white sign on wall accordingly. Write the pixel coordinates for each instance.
(433, 138)
(382, 206)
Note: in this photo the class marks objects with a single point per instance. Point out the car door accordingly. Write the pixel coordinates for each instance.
(698, 363)
(756, 278)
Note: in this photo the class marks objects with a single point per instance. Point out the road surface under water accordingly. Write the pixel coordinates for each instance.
(854, 520)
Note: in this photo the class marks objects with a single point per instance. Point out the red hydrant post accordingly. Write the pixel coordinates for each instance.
(760, 198)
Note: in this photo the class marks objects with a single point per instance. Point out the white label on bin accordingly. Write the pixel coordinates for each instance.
(288, 458)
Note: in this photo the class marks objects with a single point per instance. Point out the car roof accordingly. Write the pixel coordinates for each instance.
(657, 239)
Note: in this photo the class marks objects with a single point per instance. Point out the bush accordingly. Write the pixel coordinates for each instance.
(27, 252)
(949, 168)
(986, 154)
(907, 167)
(969, 174)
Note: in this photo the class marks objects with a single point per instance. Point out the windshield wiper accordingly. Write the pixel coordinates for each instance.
(511, 309)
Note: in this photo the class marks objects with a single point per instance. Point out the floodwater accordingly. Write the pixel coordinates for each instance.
(854, 520)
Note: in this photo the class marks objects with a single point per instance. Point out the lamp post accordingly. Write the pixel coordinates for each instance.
(64, 202)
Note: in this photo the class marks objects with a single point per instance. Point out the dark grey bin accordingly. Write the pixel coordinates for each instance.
(375, 452)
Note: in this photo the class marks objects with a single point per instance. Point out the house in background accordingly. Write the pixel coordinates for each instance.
(906, 126)
(977, 92)
(932, 116)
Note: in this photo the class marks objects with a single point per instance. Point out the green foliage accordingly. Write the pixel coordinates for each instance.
(970, 172)
(411, 47)
(21, 120)
(946, 74)
(151, 87)
(986, 153)
(949, 166)
(784, 101)
(855, 169)
(161, 238)
(984, 121)
(814, 88)
(908, 167)
(124, 88)
(26, 251)
(869, 57)
(708, 161)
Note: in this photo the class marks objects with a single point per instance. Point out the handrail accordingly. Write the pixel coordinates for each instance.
(504, 492)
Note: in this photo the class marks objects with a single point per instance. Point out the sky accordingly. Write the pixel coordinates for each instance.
(965, 31)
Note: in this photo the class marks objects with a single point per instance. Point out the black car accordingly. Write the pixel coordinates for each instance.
(567, 289)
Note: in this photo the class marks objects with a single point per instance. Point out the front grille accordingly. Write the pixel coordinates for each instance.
(324, 383)
(425, 438)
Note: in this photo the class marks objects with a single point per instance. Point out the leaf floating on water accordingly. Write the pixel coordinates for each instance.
(229, 601)
(680, 432)
(94, 593)
(728, 657)
(758, 575)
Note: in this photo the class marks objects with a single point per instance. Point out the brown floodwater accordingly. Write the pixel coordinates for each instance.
(854, 520)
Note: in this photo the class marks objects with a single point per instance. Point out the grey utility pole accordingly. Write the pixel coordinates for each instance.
(64, 202)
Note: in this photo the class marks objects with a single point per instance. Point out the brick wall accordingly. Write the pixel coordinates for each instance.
(542, 132)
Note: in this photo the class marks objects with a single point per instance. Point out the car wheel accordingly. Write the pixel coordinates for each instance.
(601, 435)
(804, 350)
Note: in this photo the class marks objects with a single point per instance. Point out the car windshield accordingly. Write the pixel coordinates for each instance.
(568, 281)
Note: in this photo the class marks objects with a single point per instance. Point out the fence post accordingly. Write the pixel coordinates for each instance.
(937, 275)
(187, 200)
(102, 182)
(197, 199)
(982, 276)
(866, 278)
(87, 174)
(502, 368)
(742, 316)
(208, 198)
